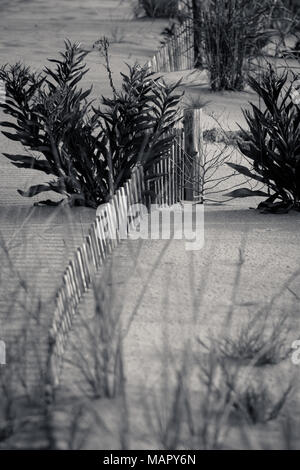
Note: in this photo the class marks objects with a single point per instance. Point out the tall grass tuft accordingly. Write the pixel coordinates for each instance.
(230, 30)
(258, 343)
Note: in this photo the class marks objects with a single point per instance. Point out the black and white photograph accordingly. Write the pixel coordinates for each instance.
(149, 229)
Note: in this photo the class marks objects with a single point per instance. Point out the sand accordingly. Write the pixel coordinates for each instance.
(188, 295)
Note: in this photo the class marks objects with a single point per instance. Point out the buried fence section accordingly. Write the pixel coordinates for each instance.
(103, 236)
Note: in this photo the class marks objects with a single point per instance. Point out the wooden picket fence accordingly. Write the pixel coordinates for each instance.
(168, 182)
(165, 181)
(180, 170)
(176, 182)
(178, 52)
(104, 235)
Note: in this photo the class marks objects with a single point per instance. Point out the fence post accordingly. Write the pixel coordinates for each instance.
(193, 152)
